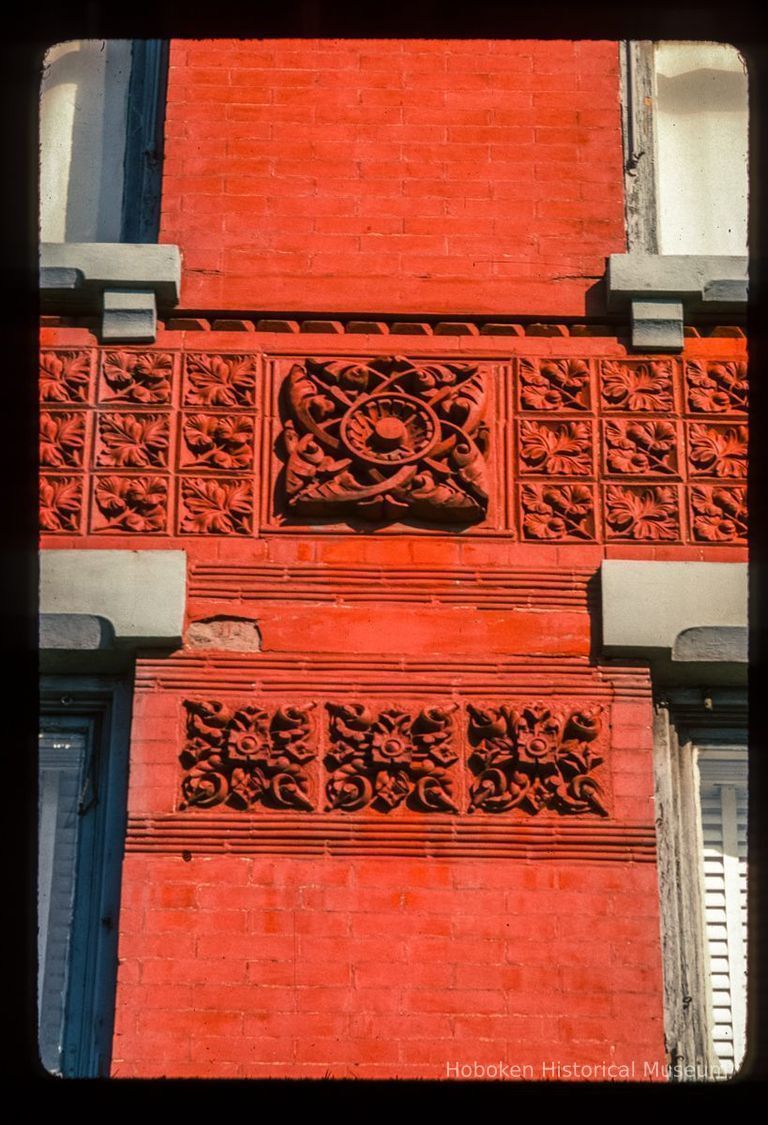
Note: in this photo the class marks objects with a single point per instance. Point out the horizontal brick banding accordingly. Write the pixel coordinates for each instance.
(202, 833)
(301, 674)
(381, 325)
(489, 588)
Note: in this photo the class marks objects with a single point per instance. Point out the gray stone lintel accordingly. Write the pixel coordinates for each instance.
(124, 282)
(696, 279)
(647, 605)
(140, 594)
(653, 285)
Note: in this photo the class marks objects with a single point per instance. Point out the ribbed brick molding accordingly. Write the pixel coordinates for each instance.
(208, 834)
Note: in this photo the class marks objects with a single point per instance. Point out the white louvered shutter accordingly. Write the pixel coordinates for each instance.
(723, 774)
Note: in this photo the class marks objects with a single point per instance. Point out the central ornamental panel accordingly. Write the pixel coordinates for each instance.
(385, 439)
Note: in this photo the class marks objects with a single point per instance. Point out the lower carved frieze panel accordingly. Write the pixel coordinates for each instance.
(520, 758)
(535, 757)
(393, 757)
(246, 755)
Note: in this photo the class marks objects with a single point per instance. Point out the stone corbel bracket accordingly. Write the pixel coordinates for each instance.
(660, 290)
(124, 283)
(687, 619)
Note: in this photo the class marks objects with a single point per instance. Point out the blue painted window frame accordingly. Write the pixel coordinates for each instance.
(100, 705)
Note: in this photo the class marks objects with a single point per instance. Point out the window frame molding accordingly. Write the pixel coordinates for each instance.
(639, 141)
(126, 282)
(660, 291)
(683, 718)
(104, 702)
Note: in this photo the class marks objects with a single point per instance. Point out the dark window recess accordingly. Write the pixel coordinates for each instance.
(144, 140)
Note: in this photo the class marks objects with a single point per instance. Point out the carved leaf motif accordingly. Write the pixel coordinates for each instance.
(204, 786)
(220, 441)
(60, 503)
(247, 786)
(719, 513)
(134, 440)
(638, 385)
(554, 384)
(718, 450)
(223, 507)
(132, 503)
(642, 513)
(143, 377)
(717, 388)
(641, 447)
(564, 448)
(62, 437)
(217, 380)
(351, 376)
(557, 511)
(64, 376)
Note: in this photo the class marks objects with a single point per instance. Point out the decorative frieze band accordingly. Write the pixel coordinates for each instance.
(544, 449)
(352, 757)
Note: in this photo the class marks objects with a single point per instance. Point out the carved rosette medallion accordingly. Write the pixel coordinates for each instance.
(386, 440)
(390, 429)
(535, 757)
(244, 756)
(391, 758)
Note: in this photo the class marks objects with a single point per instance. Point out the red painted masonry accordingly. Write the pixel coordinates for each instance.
(265, 942)
(325, 873)
(418, 176)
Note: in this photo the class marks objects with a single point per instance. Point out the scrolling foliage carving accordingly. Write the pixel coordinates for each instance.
(243, 756)
(424, 758)
(386, 439)
(382, 760)
(535, 757)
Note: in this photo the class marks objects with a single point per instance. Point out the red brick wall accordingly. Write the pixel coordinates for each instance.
(407, 176)
(256, 967)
